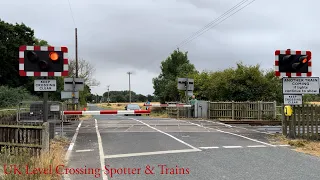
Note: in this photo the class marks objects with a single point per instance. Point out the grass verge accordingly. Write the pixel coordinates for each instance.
(300, 145)
(47, 160)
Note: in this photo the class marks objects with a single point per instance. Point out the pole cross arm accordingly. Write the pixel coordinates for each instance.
(73, 82)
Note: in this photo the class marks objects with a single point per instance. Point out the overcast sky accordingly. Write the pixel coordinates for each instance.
(118, 36)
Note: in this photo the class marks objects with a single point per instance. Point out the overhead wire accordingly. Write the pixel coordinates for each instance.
(185, 42)
(74, 22)
(209, 24)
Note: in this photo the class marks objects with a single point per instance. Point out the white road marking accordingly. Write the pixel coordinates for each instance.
(175, 131)
(257, 146)
(149, 153)
(254, 130)
(128, 128)
(72, 142)
(213, 147)
(283, 145)
(227, 125)
(168, 135)
(232, 146)
(252, 146)
(66, 176)
(101, 153)
(84, 150)
(232, 134)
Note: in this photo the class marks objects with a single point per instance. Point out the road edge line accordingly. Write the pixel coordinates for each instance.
(73, 141)
(74, 138)
(101, 153)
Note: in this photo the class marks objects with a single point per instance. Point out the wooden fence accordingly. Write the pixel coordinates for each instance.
(234, 110)
(304, 122)
(243, 110)
(178, 112)
(18, 136)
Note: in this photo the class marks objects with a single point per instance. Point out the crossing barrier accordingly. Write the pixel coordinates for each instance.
(168, 105)
(106, 112)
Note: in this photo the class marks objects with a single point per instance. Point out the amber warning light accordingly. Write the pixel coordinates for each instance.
(53, 56)
(304, 60)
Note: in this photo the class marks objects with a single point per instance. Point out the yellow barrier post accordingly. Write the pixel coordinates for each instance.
(288, 113)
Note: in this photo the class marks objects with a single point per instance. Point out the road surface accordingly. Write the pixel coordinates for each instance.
(145, 148)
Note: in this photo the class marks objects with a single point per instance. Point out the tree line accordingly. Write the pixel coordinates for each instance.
(242, 83)
(122, 96)
(14, 88)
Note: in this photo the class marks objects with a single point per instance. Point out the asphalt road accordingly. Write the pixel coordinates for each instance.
(127, 147)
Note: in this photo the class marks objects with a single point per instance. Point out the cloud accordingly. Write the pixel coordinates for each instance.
(125, 35)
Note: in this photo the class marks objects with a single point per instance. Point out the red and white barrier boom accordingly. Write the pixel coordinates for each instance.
(106, 112)
(168, 105)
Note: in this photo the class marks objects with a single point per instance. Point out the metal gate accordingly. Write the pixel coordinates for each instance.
(32, 111)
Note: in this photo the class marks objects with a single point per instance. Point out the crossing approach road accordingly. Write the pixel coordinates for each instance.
(145, 148)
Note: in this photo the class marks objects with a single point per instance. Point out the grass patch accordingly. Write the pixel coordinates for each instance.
(300, 145)
(159, 115)
(155, 111)
(6, 113)
(115, 106)
(120, 106)
(315, 103)
(85, 117)
(53, 158)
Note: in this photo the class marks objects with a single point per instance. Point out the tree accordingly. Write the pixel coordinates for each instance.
(123, 96)
(244, 83)
(176, 65)
(11, 37)
(14, 35)
(85, 71)
(40, 42)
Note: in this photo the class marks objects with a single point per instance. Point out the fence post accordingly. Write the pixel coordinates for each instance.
(259, 110)
(208, 115)
(292, 132)
(275, 110)
(177, 112)
(284, 121)
(45, 136)
(232, 110)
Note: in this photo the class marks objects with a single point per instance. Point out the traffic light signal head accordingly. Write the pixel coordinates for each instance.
(43, 61)
(292, 63)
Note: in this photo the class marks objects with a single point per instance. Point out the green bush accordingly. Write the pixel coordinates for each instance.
(10, 97)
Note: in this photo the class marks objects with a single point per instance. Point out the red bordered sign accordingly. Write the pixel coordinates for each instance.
(291, 74)
(22, 71)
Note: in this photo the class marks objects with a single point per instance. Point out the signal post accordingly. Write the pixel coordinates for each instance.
(44, 62)
(294, 67)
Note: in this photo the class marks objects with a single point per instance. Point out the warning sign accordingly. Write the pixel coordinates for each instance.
(292, 99)
(301, 85)
(45, 85)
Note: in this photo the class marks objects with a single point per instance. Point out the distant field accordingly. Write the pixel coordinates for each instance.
(120, 106)
(316, 103)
